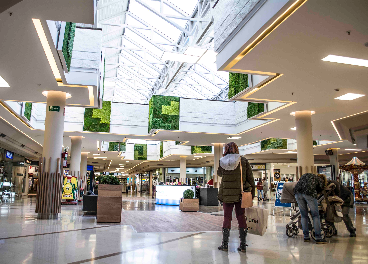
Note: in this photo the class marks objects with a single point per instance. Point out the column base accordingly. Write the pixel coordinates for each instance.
(47, 216)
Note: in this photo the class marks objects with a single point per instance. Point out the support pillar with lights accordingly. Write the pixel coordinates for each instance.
(49, 194)
(150, 183)
(334, 160)
(183, 169)
(83, 170)
(304, 140)
(218, 151)
(75, 159)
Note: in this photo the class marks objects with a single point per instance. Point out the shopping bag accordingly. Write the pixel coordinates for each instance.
(257, 219)
(247, 200)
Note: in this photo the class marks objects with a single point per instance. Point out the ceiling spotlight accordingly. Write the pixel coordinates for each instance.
(349, 96)
(293, 128)
(233, 137)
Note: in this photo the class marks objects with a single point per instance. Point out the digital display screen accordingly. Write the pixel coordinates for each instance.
(89, 167)
(171, 195)
(9, 154)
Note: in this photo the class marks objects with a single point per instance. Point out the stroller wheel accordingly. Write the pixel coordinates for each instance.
(329, 231)
(313, 235)
(289, 231)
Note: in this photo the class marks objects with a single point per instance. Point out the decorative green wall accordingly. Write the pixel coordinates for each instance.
(254, 109)
(274, 143)
(201, 149)
(237, 83)
(117, 146)
(68, 42)
(161, 149)
(164, 112)
(140, 152)
(98, 120)
(28, 111)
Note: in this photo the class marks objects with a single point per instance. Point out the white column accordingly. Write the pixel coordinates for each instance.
(218, 152)
(183, 169)
(150, 183)
(83, 169)
(304, 140)
(334, 160)
(54, 129)
(75, 156)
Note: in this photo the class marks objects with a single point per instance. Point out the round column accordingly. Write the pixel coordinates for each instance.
(218, 151)
(304, 140)
(75, 156)
(183, 169)
(83, 169)
(54, 129)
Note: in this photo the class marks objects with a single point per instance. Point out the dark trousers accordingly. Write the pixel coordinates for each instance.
(228, 215)
(346, 218)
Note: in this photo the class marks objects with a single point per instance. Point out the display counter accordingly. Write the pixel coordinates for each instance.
(171, 194)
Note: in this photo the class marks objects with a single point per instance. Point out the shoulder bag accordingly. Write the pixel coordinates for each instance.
(247, 199)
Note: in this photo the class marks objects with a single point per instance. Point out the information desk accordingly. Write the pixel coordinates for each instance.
(171, 194)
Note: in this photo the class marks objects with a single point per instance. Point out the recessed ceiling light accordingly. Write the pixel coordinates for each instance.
(233, 137)
(67, 95)
(198, 156)
(312, 113)
(346, 60)
(354, 149)
(349, 96)
(293, 128)
(3, 83)
(96, 154)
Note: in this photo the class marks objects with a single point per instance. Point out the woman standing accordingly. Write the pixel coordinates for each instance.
(230, 192)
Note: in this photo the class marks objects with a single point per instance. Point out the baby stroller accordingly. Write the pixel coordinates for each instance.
(328, 230)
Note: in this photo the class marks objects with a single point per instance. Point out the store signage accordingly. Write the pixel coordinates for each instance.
(258, 166)
(280, 186)
(28, 161)
(9, 154)
(54, 108)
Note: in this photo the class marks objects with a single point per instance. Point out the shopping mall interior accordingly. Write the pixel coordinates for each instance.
(114, 115)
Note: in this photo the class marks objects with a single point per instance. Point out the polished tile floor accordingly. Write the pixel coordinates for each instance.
(75, 238)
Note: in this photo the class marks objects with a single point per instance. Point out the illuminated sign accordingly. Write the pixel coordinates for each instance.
(9, 154)
(171, 194)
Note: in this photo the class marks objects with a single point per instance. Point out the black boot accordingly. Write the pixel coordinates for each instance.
(243, 239)
(225, 239)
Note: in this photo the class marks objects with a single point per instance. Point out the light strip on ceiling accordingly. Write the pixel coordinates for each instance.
(46, 47)
(3, 83)
(346, 60)
(349, 96)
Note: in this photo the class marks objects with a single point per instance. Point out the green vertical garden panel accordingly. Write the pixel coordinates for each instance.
(98, 120)
(164, 112)
(117, 146)
(201, 149)
(237, 83)
(274, 143)
(140, 152)
(28, 111)
(254, 109)
(68, 42)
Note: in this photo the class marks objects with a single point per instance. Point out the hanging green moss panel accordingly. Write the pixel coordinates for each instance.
(140, 152)
(98, 120)
(274, 143)
(68, 42)
(237, 83)
(161, 149)
(201, 149)
(164, 112)
(28, 111)
(117, 146)
(254, 109)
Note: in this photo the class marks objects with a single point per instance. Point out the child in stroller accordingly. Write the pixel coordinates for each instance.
(328, 230)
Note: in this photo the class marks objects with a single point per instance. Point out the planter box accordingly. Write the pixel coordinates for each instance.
(189, 205)
(109, 203)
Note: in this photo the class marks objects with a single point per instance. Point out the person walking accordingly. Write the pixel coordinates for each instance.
(306, 192)
(265, 189)
(260, 189)
(347, 196)
(231, 167)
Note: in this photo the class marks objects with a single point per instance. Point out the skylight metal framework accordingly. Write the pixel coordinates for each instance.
(137, 33)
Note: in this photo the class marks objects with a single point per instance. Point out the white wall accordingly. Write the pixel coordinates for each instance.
(170, 148)
(129, 118)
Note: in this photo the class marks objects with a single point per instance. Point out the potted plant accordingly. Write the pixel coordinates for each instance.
(109, 201)
(188, 203)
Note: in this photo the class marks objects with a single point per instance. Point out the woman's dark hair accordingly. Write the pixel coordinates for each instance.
(231, 148)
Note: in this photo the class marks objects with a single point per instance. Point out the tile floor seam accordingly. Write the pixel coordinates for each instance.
(126, 251)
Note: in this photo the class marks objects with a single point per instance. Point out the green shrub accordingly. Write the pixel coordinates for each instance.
(108, 179)
(274, 143)
(237, 83)
(140, 152)
(164, 112)
(254, 109)
(117, 146)
(28, 111)
(68, 42)
(161, 149)
(98, 120)
(188, 194)
(201, 149)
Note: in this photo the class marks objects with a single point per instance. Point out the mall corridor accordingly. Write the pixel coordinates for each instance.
(79, 239)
